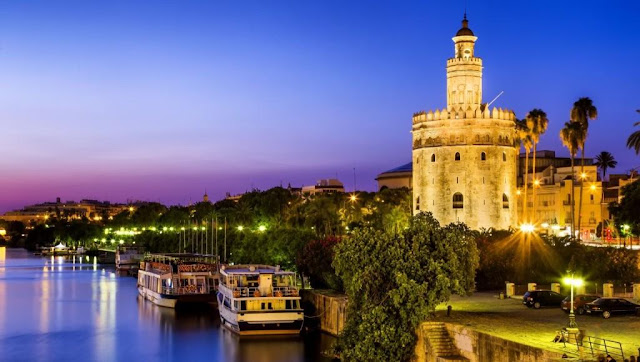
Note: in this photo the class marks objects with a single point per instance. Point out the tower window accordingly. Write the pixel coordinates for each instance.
(457, 156)
(433, 157)
(458, 201)
(418, 203)
(483, 156)
(505, 201)
(504, 156)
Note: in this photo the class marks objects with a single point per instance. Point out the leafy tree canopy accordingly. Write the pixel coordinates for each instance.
(395, 280)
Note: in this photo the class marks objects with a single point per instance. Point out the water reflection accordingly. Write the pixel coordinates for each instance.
(73, 309)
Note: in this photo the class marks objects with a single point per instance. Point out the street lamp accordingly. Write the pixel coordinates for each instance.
(527, 228)
(577, 282)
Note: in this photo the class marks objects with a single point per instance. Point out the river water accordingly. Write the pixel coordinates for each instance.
(72, 309)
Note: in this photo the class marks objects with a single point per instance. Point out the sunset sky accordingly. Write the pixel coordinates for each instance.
(159, 101)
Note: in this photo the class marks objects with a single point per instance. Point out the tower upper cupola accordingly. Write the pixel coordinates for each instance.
(465, 27)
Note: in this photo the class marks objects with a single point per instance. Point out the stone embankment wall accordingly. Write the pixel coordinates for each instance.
(481, 347)
(325, 309)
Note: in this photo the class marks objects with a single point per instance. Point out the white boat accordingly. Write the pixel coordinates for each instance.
(128, 257)
(259, 299)
(171, 279)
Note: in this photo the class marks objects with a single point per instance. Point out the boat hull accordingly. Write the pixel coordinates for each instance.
(262, 323)
(170, 301)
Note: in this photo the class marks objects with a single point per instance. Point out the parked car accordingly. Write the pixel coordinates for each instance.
(609, 306)
(542, 298)
(579, 301)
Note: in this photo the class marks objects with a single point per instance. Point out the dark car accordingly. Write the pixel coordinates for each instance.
(579, 301)
(541, 298)
(609, 306)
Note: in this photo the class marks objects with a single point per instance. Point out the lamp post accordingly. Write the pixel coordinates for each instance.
(572, 282)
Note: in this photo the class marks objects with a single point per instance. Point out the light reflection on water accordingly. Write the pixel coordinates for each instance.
(55, 309)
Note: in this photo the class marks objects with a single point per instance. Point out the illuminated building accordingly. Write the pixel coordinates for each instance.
(465, 155)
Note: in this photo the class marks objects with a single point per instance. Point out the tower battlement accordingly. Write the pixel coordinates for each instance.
(471, 112)
(462, 61)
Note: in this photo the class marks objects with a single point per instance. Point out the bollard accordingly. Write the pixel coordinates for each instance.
(449, 311)
(531, 287)
(555, 287)
(511, 290)
(607, 290)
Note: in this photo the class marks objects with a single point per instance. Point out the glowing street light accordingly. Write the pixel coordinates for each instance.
(593, 187)
(527, 228)
(574, 282)
(583, 175)
(131, 209)
(353, 198)
(536, 182)
(262, 228)
(240, 227)
(518, 192)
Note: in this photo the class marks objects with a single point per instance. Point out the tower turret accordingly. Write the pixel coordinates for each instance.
(464, 70)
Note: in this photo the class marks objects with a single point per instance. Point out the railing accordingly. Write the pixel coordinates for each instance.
(594, 345)
(246, 292)
(189, 289)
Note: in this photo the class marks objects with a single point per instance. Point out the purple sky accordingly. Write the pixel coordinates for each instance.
(160, 101)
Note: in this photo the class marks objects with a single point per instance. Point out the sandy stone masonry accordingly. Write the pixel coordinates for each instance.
(465, 155)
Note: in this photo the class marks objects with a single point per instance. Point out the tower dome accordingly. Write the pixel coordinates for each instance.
(465, 31)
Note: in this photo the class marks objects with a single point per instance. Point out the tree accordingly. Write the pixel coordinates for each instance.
(582, 112)
(537, 123)
(571, 135)
(314, 262)
(626, 212)
(395, 280)
(604, 161)
(634, 139)
(524, 135)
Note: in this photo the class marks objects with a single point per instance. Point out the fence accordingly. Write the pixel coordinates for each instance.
(593, 345)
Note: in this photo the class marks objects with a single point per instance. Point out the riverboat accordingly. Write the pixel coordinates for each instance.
(128, 257)
(259, 299)
(171, 279)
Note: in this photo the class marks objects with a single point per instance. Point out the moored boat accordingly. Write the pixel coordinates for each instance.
(171, 279)
(259, 299)
(128, 257)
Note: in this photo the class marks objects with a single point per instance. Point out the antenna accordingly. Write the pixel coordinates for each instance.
(354, 180)
(498, 96)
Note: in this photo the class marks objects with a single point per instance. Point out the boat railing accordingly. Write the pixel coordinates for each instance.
(246, 292)
(189, 289)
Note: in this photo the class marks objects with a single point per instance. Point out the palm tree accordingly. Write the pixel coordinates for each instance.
(634, 139)
(582, 112)
(524, 135)
(570, 136)
(604, 161)
(537, 123)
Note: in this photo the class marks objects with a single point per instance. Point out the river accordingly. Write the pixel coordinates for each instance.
(72, 309)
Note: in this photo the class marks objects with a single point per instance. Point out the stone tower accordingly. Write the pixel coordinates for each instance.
(465, 155)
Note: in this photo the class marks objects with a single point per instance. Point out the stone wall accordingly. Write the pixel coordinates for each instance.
(481, 347)
(325, 309)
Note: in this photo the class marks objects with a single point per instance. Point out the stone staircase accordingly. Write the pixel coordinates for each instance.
(442, 347)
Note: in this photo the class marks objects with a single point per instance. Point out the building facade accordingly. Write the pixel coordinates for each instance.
(464, 155)
(550, 208)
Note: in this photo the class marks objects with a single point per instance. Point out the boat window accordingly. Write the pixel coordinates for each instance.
(243, 305)
(288, 304)
(270, 306)
(226, 302)
(235, 305)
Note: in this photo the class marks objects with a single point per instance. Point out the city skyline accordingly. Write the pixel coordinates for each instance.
(161, 102)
